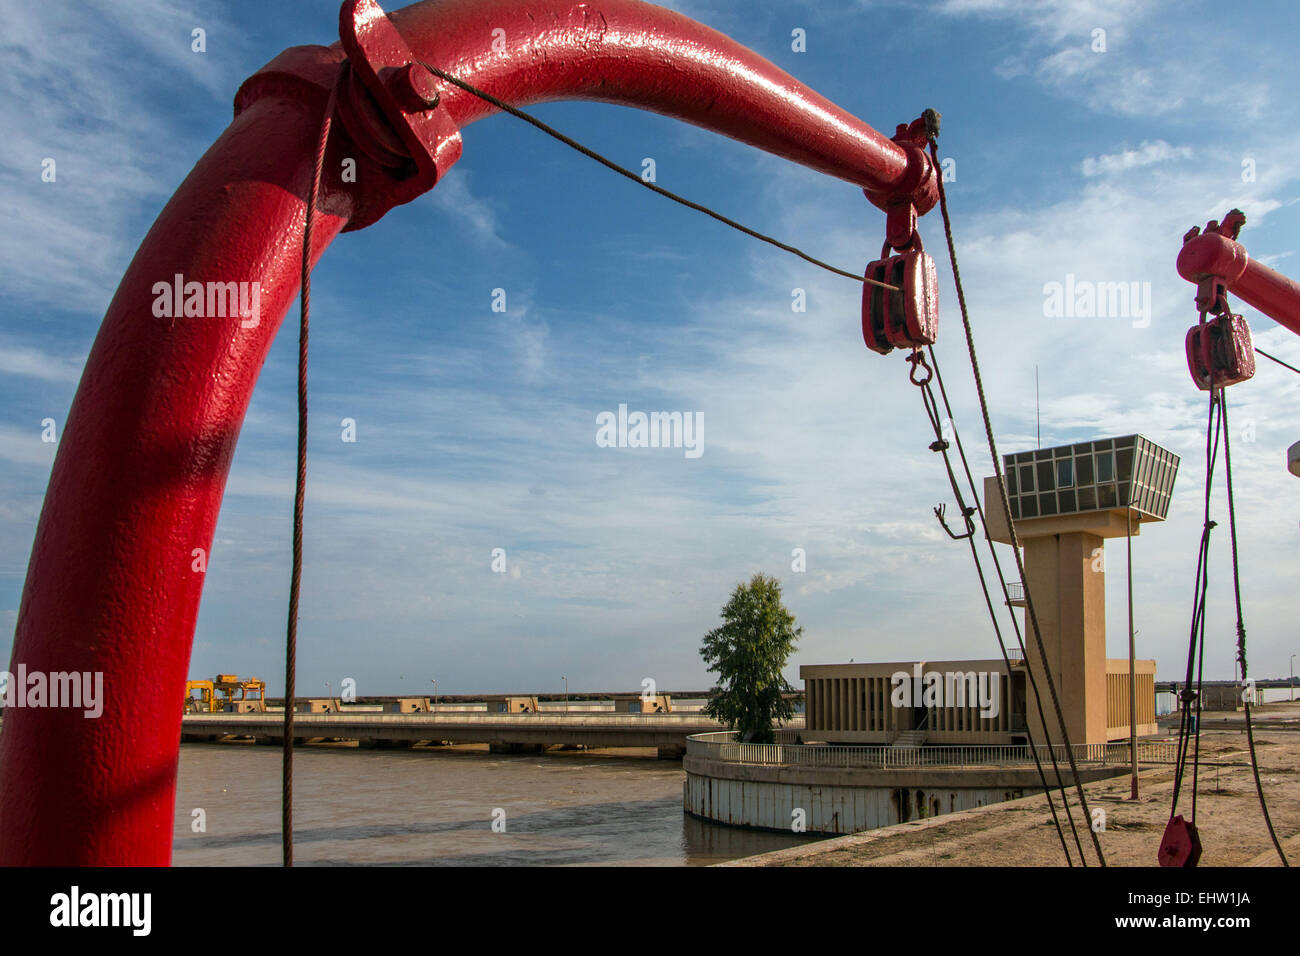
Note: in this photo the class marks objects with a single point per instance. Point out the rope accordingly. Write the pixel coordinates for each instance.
(653, 187)
(300, 491)
(1006, 658)
(1006, 504)
(1278, 361)
(988, 601)
(1241, 628)
(1196, 638)
(1216, 428)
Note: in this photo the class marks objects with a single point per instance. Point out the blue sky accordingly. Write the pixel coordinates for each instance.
(476, 429)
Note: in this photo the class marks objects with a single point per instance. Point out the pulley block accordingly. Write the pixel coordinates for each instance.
(1181, 844)
(1222, 346)
(906, 316)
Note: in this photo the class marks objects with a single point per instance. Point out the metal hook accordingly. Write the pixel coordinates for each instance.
(966, 513)
(917, 359)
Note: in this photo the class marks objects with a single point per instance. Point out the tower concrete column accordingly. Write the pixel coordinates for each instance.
(1066, 577)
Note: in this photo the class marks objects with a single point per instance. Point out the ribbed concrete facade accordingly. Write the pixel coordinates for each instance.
(856, 703)
(1117, 706)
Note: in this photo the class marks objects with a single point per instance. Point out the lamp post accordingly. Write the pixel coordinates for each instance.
(1291, 682)
(329, 692)
(1132, 667)
(566, 693)
(435, 690)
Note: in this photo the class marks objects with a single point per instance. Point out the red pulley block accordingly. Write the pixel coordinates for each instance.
(1221, 345)
(1181, 845)
(908, 317)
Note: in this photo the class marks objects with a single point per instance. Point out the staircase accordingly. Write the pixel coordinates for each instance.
(909, 739)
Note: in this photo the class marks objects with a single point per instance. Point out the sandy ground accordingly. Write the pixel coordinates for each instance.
(1021, 833)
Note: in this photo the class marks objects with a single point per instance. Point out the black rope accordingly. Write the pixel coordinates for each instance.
(1278, 360)
(1189, 723)
(988, 601)
(1216, 428)
(653, 187)
(1006, 657)
(300, 493)
(1241, 628)
(1006, 504)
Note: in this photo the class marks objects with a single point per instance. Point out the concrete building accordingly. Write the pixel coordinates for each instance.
(514, 705)
(408, 705)
(951, 703)
(656, 704)
(885, 704)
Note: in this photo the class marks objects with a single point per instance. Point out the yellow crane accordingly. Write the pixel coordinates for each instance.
(213, 695)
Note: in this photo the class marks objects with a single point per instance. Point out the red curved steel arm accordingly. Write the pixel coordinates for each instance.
(639, 55)
(1213, 255)
(114, 582)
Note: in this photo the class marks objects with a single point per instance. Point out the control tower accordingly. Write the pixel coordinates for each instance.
(1065, 502)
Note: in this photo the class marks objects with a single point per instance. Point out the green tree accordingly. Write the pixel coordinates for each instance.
(748, 653)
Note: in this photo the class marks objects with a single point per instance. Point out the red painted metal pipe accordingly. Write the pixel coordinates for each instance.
(649, 57)
(141, 468)
(1213, 255)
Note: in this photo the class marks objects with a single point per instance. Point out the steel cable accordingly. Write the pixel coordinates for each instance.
(653, 187)
(1006, 504)
(1241, 627)
(300, 491)
(1274, 358)
(1006, 658)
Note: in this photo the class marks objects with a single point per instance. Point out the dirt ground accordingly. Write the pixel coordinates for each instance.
(1021, 833)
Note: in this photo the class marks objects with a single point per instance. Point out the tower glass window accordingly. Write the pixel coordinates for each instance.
(1045, 477)
(1124, 463)
(1083, 462)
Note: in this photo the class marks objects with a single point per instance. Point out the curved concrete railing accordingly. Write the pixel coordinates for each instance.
(434, 720)
(786, 751)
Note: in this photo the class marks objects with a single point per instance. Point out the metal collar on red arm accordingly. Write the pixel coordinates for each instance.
(1215, 255)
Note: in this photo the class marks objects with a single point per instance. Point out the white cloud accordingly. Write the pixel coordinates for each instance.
(1136, 66)
(1054, 20)
(1147, 154)
(74, 80)
(24, 446)
(34, 363)
(470, 213)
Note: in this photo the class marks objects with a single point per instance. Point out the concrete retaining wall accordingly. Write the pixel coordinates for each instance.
(843, 801)
(831, 810)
